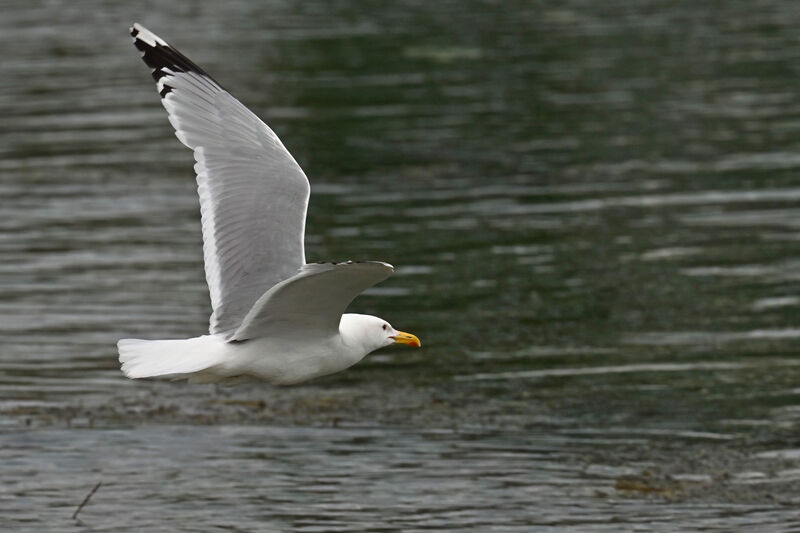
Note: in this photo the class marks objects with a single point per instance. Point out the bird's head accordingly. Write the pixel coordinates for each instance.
(373, 332)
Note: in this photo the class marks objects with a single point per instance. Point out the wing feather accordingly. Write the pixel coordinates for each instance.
(253, 194)
(312, 301)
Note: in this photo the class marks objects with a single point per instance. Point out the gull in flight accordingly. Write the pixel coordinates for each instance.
(275, 318)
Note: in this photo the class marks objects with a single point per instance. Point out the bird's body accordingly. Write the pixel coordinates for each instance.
(281, 360)
(275, 318)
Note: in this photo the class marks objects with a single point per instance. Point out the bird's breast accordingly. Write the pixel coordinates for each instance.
(289, 361)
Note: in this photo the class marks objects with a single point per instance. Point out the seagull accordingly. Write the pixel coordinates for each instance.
(274, 318)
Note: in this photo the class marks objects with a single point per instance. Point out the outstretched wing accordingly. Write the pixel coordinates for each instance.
(253, 194)
(312, 301)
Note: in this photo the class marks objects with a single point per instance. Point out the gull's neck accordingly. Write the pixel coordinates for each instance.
(353, 334)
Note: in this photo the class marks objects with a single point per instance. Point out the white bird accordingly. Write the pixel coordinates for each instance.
(275, 318)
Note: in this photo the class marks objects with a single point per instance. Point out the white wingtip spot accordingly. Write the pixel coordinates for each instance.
(147, 36)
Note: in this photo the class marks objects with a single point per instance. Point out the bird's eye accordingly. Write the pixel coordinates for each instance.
(384, 327)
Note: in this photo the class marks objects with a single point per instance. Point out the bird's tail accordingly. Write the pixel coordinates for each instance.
(176, 359)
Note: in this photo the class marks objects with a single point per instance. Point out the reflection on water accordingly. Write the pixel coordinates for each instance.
(592, 212)
(388, 478)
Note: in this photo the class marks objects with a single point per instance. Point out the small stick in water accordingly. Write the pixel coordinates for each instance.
(86, 500)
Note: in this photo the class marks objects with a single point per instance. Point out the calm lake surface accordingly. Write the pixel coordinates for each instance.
(593, 208)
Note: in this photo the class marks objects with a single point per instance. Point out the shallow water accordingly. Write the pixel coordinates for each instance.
(592, 208)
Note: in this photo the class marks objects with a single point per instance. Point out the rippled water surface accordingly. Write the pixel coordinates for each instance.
(592, 208)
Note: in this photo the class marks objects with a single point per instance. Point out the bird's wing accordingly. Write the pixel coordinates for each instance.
(253, 194)
(312, 301)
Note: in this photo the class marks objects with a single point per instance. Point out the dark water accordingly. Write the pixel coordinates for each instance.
(593, 211)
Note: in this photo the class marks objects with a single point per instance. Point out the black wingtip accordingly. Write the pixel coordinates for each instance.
(162, 58)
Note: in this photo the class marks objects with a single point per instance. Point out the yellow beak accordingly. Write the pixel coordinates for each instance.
(406, 338)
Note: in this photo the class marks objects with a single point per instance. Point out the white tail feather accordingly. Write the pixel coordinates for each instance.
(176, 359)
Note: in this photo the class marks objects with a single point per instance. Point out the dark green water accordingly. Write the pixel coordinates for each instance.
(592, 208)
